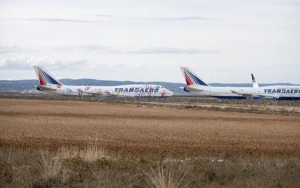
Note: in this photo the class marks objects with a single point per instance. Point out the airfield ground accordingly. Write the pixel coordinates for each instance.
(136, 129)
(152, 132)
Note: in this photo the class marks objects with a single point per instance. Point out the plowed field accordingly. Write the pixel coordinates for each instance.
(146, 130)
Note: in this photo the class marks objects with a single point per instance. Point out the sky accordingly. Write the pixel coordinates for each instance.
(148, 40)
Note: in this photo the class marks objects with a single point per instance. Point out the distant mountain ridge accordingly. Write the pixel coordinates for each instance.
(28, 85)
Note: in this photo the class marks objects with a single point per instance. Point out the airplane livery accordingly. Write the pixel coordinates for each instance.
(198, 86)
(48, 83)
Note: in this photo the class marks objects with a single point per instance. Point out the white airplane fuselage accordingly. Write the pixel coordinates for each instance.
(48, 83)
(121, 90)
(280, 92)
(275, 92)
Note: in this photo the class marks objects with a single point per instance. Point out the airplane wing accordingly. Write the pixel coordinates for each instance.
(268, 96)
(192, 88)
(255, 95)
(242, 94)
(97, 93)
(44, 88)
(87, 92)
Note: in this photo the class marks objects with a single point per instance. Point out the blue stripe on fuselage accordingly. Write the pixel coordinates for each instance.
(241, 97)
(289, 98)
(230, 97)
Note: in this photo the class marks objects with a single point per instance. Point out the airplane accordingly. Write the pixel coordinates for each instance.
(196, 85)
(48, 83)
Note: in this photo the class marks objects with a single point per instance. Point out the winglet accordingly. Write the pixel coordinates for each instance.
(255, 84)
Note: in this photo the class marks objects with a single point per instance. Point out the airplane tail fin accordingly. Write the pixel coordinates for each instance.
(44, 77)
(255, 84)
(191, 78)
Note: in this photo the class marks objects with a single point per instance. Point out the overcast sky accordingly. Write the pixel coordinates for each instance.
(147, 40)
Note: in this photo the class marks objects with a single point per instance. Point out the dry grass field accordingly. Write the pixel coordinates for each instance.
(132, 129)
(142, 144)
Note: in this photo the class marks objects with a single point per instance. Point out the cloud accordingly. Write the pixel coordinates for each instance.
(110, 50)
(26, 63)
(10, 49)
(142, 50)
(52, 20)
(91, 47)
(112, 17)
(168, 50)
(67, 65)
(180, 18)
(16, 64)
(15, 49)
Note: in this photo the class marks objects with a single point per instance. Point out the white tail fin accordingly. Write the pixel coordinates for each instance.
(44, 77)
(255, 84)
(191, 78)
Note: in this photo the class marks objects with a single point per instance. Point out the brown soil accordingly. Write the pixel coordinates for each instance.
(146, 130)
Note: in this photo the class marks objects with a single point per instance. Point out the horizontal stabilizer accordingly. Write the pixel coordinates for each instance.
(44, 88)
